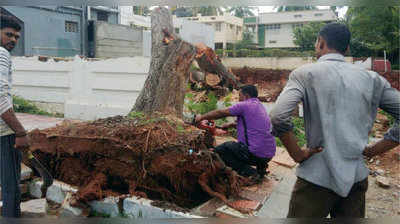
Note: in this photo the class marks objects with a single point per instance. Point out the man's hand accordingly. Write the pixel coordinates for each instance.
(21, 142)
(307, 153)
(298, 154)
(198, 118)
(378, 148)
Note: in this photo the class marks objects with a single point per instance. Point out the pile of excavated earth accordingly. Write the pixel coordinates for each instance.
(158, 157)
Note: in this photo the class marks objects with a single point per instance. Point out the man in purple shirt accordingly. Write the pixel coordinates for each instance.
(256, 146)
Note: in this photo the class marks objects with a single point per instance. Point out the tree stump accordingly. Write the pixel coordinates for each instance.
(165, 87)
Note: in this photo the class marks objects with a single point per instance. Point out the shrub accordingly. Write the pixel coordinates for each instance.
(22, 105)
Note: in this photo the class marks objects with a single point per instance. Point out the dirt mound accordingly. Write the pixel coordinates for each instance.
(393, 78)
(159, 157)
(270, 82)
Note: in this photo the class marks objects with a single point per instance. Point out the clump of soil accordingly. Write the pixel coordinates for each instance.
(158, 157)
(270, 82)
(393, 78)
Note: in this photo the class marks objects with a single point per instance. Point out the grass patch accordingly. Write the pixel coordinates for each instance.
(22, 105)
(299, 132)
(388, 116)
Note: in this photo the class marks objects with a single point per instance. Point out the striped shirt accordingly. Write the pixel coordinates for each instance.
(5, 89)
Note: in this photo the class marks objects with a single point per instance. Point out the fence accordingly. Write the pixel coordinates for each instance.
(81, 89)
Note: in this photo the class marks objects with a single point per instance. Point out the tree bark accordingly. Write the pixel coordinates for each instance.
(171, 58)
(165, 87)
(209, 62)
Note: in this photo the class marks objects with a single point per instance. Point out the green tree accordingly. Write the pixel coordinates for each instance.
(141, 10)
(207, 10)
(375, 28)
(246, 42)
(305, 37)
(241, 11)
(295, 8)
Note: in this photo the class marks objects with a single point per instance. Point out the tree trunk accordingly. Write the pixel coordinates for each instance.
(209, 62)
(165, 87)
(171, 58)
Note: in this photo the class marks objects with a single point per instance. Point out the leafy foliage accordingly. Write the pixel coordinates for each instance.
(374, 29)
(22, 105)
(305, 36)
(201, 107)
(241, 11)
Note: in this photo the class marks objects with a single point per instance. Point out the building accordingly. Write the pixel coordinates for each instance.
(275, 29)
(56, 30)
(190, 31)
(110, 15)
(228, 29)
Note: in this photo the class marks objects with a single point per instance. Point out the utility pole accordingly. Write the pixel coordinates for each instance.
(84, 20)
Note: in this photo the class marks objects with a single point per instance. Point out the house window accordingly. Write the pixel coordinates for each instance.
(213, 18)
(272, 41)
(231, 26)
(273, 26)
(71, 27)
(298, 16)
(238, 29)
(218, 26)
(102, 16)
(318, 14)
(297, 25)
(177, 30)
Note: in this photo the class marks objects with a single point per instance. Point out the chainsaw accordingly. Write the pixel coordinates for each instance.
(208, 125)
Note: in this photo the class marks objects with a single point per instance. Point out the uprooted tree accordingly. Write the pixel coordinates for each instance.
(171, 58)
(151, 152)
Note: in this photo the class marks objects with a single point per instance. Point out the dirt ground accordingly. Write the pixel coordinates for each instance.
(270, 82)
(383, 202)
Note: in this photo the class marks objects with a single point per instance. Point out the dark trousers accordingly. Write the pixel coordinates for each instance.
(10, 174)
(313, 201)
(237, 156)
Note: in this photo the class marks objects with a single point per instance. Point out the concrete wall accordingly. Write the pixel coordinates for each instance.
(86, 89)
(44, 30)
(95, 89)
(112, 41)
(289, 63)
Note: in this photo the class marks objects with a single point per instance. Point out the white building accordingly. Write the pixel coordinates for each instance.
(228, 28)
(192, 32)
(275, 29)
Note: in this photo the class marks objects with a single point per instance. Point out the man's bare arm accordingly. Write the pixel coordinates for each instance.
(229, 125)
(289, 140)
(12, 121)
(380, 147)
(213, 115)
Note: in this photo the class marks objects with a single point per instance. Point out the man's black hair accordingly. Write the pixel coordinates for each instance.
(9, 22)
(337, 36)
(249, 90)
